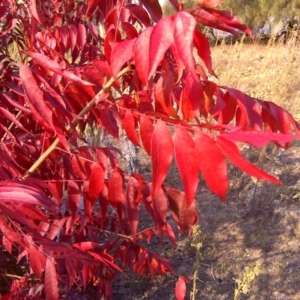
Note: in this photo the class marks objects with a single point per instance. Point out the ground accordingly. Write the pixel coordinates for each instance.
(259, 226)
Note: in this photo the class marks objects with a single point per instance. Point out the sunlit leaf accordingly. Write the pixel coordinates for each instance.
(232, 152)
(161, 154)
(185, 155)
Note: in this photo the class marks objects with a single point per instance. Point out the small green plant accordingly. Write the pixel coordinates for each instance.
(243, 285)
(197, 244)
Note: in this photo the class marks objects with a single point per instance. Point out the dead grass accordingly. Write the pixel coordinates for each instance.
(266, 72)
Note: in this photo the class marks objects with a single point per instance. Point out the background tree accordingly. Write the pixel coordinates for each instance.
(257, 12)
(68, 212)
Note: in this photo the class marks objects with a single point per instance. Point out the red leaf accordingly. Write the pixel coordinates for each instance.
(161, 154)
(102, 66)
(160, 206)
(232, 152)
(160, 41)
(85, 275)
(139, 13)
(81, 35)
(109, 122)
(180, 289)
(210, 3)
(184, 27)
(105, 258)
(163, 94)
(153, 265)
(146, 131)
(227, 114)
(147, 200)
(94, 76)
(121, 53)
(43, 228)
(141, 54)
(3, 11)
(73, 37)
(229, 19)
(14, 192)
(10, 234)
(191, 98)
(185, 216)
(35, 262)
(6, 242)
(103, 203)
(175, 4)
(115, 188)
(130, 31)
(49, 64)
(203, 49)
(133, 197)
(74, 197)
(85, 246)
(179, 63)
(34, 11)
(249, 109)
(33, 213)
(170, 233)
(13, 119)
(10, 26)
(56, 227)
(130, 127)
(15, 103)
(71, 269)
(78, 167)
(278, 118)
(153, 8)
(96, 180)
(258, 138)
(223, 20)
(41, 112)
(185, 155)
(88, 201)
(51, 282)
(91, 6)
(212, 164)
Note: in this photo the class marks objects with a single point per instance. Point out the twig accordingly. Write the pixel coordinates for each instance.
(13, 276)
(268, 296)
(213, 275)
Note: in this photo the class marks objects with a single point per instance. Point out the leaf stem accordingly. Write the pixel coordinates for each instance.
(85, 110)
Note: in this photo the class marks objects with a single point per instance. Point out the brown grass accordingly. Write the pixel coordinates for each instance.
(268, 72)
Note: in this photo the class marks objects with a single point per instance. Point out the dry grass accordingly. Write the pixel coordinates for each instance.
(268, 72)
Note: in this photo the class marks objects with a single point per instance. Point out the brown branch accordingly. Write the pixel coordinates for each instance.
(85, 110)
(14, 276)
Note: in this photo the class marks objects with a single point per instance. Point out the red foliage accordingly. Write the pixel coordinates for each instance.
(70, 210)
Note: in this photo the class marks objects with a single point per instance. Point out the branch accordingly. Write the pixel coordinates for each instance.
(85, 110)
(14, 276)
